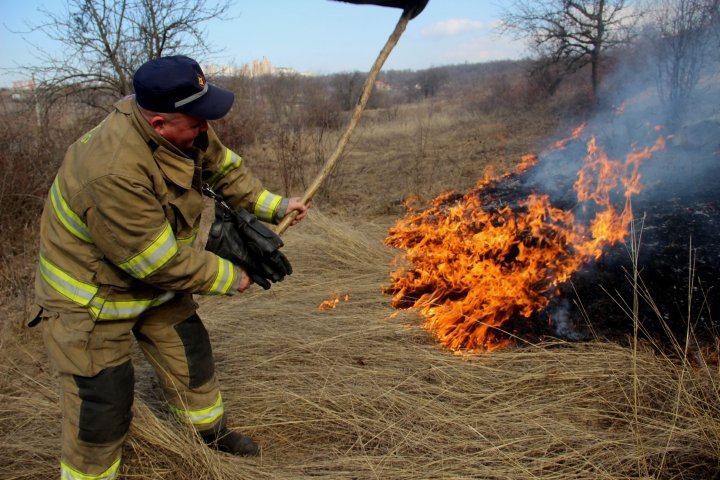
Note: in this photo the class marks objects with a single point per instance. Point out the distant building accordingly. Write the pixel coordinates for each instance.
(23, 85)
(382, 86)
(286, 71)
(21, 88)
(256, 68)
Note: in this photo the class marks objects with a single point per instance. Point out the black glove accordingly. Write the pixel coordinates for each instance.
(238, 236)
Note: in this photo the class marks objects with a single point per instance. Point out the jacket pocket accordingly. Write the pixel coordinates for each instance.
(67, 338)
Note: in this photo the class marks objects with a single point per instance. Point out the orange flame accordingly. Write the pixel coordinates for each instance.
(562, 144)
(475, 267)
(332, 302)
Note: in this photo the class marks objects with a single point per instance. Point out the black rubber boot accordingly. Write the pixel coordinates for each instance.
(232, 442)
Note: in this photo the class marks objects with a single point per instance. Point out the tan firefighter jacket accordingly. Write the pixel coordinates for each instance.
(117, 230)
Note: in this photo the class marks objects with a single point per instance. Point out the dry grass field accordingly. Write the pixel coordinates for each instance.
(363, 392)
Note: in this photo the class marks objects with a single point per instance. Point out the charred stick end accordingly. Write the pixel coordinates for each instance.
(411, 8)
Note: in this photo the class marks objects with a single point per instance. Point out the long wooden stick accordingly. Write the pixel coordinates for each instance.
(359, 108)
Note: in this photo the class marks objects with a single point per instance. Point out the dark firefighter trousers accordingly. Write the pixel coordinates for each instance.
(97, 379)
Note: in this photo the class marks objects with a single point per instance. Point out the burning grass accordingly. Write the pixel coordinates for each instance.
(479, 262)
(350, 393)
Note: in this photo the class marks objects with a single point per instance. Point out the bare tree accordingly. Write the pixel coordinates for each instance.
(104, 41)
(430, 80)
(347, 88)
(684, 41)
(570, 34)
(281, 93)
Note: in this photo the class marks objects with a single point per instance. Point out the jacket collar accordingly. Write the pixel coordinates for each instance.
(176, 165)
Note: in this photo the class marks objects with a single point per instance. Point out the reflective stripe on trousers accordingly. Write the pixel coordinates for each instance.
(69, 473)
(203, 416)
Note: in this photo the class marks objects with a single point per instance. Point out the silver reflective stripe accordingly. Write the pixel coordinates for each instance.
(85, 294)
(231, 161)
(67, 217)
(267, 205)
(120, 309)
(154, 256)
(79, 292)
(224, 279)
(203, 416)
(192, 97)
(69, 473)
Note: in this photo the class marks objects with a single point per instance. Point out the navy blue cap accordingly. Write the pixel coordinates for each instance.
(177, 84)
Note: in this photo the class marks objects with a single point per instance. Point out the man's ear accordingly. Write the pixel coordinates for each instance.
(157, 122)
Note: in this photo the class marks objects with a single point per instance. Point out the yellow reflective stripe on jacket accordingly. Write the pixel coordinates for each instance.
(142, 264)
(267, 205)
(78, 291)
(85, 294)
(189, 241)
(203, 416)
(86, 138)
(155, 255)
(224, 279)
(231, 161)
(122, 309)
(67, 217)
(69, 473)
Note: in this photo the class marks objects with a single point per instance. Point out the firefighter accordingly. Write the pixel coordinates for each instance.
(117, 263)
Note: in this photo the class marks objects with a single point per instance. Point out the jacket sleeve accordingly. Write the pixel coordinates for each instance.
(227, 174)
(143, 244)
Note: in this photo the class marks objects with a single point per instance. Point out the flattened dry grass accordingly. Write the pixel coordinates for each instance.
(352, 393)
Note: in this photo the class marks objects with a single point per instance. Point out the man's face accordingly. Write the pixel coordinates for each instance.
(179, 129)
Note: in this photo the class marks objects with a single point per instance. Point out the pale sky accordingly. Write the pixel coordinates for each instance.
(315, 36)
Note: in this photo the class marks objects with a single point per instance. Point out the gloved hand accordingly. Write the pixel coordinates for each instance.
(238, 236)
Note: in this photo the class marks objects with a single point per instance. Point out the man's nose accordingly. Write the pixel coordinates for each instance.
(204, 126)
